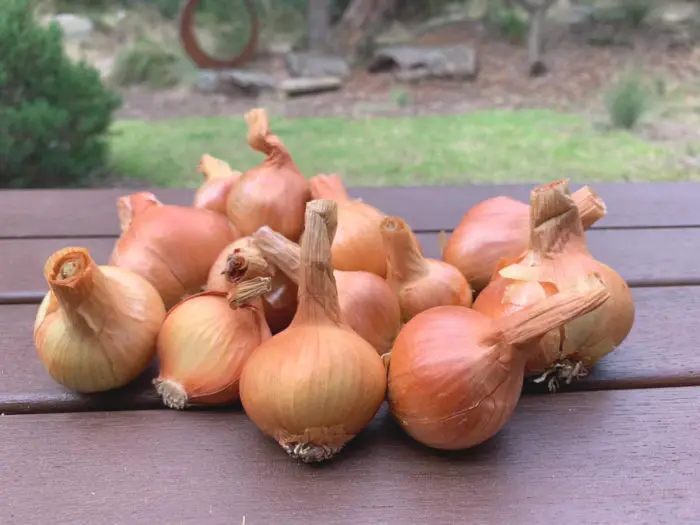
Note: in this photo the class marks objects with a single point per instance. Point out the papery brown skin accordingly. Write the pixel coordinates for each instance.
(96, 331)
(173, 247)
(358, 244)
(279, 305)
(273, 193)
(202, 347)
(317, 384)
(367, 303)
(559, 257)
(499, 228)
(455, 376)
(369, 307)
(218, 179)
(429, 369)
(420, 283)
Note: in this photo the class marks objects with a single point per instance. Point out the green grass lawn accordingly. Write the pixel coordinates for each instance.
(481, 147)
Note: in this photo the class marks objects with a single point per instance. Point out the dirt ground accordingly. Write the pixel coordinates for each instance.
(579, 74)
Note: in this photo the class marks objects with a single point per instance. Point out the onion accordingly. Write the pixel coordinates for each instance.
(499, 228)
(273, 193)
(173, 247)
(557, 257)
(419, 283)
(317, 384)
(358, 244)
(96, 328)
(218, 179)
(455, 375)
(279, 304)
(204, 343)
(367, 303)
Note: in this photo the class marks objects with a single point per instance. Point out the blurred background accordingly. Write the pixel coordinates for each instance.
(383, 92)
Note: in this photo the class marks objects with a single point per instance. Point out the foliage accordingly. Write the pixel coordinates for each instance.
(146, 62)
(628, 101)
(54, 113)
(628, 12)
(507, 22)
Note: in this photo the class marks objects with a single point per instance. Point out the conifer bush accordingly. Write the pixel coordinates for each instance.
(55, 113)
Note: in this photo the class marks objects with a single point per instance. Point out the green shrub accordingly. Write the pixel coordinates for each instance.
(54, 113)
(148, 63)
(628, 101)
(507, 22)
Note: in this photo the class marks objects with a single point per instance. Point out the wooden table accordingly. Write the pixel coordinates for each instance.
(619, 447)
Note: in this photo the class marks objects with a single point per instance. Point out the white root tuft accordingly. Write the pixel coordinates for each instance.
(566, 371)
(173, 394)
(309, 453)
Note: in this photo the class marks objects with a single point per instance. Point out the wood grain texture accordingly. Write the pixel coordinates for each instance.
(654, 257)
(595, 458)
(91, 213)
(660, 351)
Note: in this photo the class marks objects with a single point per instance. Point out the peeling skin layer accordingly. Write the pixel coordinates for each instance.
(308, 453)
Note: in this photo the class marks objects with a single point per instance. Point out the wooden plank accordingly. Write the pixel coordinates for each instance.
(90, 213)
(658, 257)
(593, 458)
(660, 351)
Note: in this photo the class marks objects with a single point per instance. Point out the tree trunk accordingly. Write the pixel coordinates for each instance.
(537, 10)
(318, 24)
(359, 21)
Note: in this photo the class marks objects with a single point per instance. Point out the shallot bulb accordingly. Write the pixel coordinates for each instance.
(420, 283)
(499, 228)
(557, 257)
(367, 304)
(96, 328)
(173, 247)
(455, 375)
(358, 244)
(279, 303)
(218, 179)
(273, 193)
(317, 384)
(204, 343)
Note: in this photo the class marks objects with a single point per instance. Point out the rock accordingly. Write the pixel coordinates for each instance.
(74, 27)
(674, 13)
(308, 64)
(396, 34)
(305, 86)
(454, 62)
(207, 81)
(234, 81)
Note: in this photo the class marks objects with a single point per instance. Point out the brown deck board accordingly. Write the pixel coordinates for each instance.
(643, 257)
(660, 351)
(593, 458)
(90, 213)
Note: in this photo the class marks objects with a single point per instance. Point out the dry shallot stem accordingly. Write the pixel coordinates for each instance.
(590, 206)
(328, 187)
(212, 168)
(279, 251)
(260, 138)
(247, 291)
(76, 281)
(525, 325)
(318, 294)
(131, 205)
(246, 263)
(553, 211)
(405, 260)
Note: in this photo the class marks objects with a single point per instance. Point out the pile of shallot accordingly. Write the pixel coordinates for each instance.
(312, 309)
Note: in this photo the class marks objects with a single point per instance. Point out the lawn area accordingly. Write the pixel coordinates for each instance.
(480, 147)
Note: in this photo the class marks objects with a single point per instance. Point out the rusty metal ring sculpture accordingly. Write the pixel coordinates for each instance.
(197, 54)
